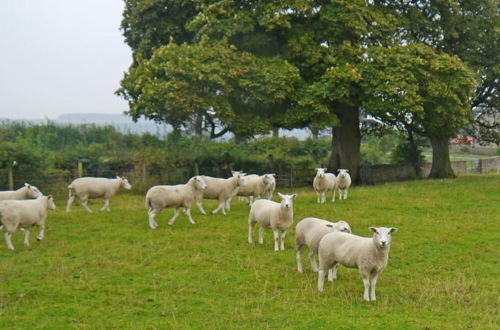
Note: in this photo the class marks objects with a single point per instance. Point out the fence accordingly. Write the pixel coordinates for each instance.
(143, 177)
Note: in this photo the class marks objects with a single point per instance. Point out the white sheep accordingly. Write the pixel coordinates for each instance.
(271, 215)
(343, 182)
(368, 254)
(255, 186)
(26, 192)
(270, 185)
(322, 183)
(178, 196)
(22, 214)
(222, 190)
(89, 187)
(310, 231)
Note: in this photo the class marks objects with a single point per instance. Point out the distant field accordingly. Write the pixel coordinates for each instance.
(109, 270)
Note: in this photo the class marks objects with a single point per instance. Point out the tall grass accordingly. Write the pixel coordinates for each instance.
(109, 270)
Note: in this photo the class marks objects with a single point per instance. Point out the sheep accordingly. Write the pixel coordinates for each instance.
(23, 214)
(89, 187)
(26, 192)
(271, 215)
(270, 186)
(368, 254)
(343, 182)
(322, 183)
(178, 196)
(255, 186)
(222, 190)
(309, 231)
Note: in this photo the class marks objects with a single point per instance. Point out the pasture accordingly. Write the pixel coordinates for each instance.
(110, 270)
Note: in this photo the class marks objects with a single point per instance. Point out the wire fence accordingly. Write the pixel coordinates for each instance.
(143, 177)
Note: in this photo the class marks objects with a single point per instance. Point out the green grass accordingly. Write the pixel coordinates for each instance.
(109, 270)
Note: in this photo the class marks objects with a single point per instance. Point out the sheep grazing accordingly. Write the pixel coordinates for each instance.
(26, 192)
(256, 185)
(271, 215)
(343, 183)
(322, 183)
(23, 214)
(178, 196)
(368, 254)
(310, 231)
(88, 187)
(222, 190)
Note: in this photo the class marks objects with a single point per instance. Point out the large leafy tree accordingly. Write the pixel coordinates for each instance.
(257, 65)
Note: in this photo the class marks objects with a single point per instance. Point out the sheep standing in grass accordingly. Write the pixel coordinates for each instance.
(271, 215)
(222, 190)
(22, 214)
(26, 192)
(88, 187)
(270, 185)
(310, 231)
(178, 196)
(322, 183)
(255, 186)
(342, 184)
(368, 254)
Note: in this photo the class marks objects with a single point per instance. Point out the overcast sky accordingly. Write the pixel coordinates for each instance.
(61, 56)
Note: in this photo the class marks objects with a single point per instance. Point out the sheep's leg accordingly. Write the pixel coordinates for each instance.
(250, 200)
(71, 199)
(8, 240)
(176, 214)
(250, 227)
(283, 240)
(227, 204)
(152, 222)
(188, 213)
(26, 236)
(261, 235)
(373, 284)
(333, 196)
(366, 282)
(321, 280)
(84, 204)
(345, 194)
(276, 235)
(106, 205)
(41, 233)
(324, 197)
(314, 265)
(221, 207)
(332, 273)
(1, 227)
(299, 258)
(200, 207)
(319, 197)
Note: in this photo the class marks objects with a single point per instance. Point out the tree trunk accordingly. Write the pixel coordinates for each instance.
(276, 132)
(346, 140)
(441, 166)
(198, 126)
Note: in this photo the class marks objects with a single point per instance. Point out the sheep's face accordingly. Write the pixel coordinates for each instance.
(269, 179)
(125, 184)
(199, 183)
(344, 227)
(382, 235)
(241, 179)
(320, 172)
(343, 173)
(50, 203)
(33, 191)
(287, 200)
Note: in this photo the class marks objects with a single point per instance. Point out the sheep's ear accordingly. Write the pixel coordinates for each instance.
(273, 174)
(374, 229)
(281, 195)
(393, 230)
(26, 184)
(293, 196)
(347, 171)
(50, 197)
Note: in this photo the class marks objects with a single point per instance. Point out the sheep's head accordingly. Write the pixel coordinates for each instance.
(269, 178)
(344, 227)
(33, 191)
(241, 178)
(382, 235)
(287, 200)
(199, 183)
(50, 202)
(125, 183)
(320, 172)
(343, 173)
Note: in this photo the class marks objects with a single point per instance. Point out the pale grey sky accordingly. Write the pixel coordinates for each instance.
(61, 56)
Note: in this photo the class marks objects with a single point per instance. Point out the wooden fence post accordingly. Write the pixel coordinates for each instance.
(80, 169)
(11, 178)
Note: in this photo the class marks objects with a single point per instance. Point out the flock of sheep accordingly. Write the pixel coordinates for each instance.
(333, 242)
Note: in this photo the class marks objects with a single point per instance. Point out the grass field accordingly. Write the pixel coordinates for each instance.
(109, 270)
